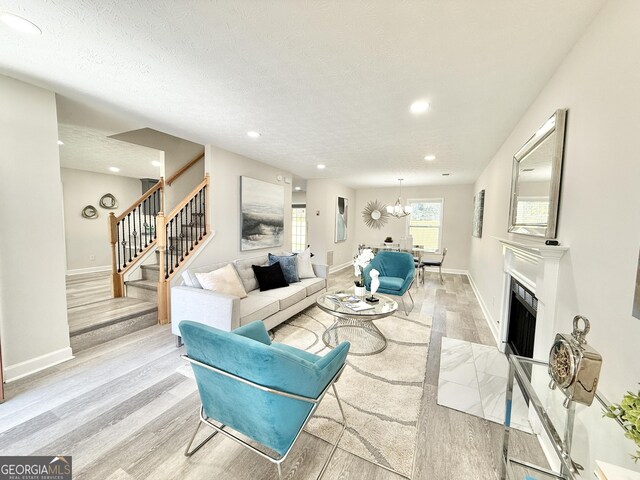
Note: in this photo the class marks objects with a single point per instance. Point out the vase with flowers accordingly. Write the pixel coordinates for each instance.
(359, 262)
(627, 413)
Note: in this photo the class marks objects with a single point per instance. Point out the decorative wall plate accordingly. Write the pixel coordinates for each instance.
(90, 212)
(375, 214)
(108, 201)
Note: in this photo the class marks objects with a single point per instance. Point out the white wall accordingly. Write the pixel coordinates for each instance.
(85, 237)
(224, 202)
(322, 198)
(177, 152)
(457, 218)
(33, 307)
(598, 82)
(299, 197)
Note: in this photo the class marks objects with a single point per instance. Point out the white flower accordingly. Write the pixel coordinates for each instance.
(362, 260)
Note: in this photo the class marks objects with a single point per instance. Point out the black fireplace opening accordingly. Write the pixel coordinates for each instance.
(522, 320)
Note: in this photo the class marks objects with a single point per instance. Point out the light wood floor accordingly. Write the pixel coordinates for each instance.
(121, 410)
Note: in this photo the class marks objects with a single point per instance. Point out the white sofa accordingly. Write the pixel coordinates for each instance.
(228, 312)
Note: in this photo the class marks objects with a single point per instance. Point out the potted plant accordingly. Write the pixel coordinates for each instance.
(627, 412)
(359, 262)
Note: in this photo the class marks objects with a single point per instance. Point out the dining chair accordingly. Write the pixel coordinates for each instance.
(437, 263)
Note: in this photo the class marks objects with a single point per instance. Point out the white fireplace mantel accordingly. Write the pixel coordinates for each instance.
(536, 266)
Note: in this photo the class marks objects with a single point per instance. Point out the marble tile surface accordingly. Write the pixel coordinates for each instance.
(473, 380)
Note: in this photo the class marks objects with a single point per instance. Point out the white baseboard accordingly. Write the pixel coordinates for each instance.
(33, 365)
(80, 271)
(487, 315)
(454, 271)
(337, 268)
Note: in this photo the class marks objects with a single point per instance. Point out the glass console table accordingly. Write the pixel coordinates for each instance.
(577, 435)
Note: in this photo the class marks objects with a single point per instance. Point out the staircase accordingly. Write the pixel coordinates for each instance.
(148, 248)
(171, 238)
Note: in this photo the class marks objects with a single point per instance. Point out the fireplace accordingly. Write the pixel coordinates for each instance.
(535, 268)
(522, 320)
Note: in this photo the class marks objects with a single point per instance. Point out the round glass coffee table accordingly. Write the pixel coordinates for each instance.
(353, 325)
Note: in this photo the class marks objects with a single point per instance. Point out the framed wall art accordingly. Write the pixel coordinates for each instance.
(261, 214)
(478, 214)
(342, 210)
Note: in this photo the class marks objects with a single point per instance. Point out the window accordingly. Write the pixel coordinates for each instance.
(425, 223)
(532, 211)
(298, 227)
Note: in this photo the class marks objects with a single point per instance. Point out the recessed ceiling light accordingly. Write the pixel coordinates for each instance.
(446, 174)
(156, 163)
(321, 166)
(429, 158)
(60, 142)
(114, 169)
(419, 106)
(20, 24)
(253, 134)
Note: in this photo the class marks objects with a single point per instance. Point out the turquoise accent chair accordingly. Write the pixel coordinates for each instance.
(397, 272)
(266, 391)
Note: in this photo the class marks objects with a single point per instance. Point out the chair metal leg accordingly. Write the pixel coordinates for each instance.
(279, 470)
(440, 270)
(404, 305)
(335, 445)
(188, 453)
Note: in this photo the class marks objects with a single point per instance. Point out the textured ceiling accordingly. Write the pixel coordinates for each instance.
(324, 82)
(90, 149)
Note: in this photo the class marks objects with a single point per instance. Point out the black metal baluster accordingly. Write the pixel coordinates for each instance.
(118, 249)
(139, 208)
(181, 235)
(129, 230)
(124, 245)
(166, 253)
(155, 213)
(177, 236)
(191, 230)
(135, 237)
(147, 230)
(204, 209)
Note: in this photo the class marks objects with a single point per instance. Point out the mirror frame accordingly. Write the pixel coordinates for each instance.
(548, 231)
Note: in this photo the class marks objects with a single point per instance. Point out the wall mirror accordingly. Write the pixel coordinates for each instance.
(535, 181)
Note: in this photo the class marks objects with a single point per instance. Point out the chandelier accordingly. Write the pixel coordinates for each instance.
(398, 210)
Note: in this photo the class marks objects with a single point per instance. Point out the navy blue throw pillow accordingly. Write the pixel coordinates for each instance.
(289, 266)
(269, 277)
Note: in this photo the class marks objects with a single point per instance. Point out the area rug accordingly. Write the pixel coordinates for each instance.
(381, 394)
(473, 380)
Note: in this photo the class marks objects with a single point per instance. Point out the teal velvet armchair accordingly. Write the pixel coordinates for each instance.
(397, 271)
(266, 391)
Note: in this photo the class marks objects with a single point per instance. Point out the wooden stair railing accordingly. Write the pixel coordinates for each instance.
(180, 233)
(186, 167)
(133, 233)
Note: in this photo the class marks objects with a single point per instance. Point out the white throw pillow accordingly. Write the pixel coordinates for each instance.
(190, 279)
(305, 268)
(223, 280)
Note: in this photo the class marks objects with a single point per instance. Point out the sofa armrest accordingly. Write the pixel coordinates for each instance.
(321, 271)
(215, 309)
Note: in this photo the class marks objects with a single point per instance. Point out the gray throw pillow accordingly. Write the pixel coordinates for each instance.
(288, 264)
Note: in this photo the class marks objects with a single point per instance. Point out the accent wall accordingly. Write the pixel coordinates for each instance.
(600, 198)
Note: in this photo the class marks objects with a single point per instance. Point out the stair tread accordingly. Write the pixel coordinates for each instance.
(90, 317)
(147, 284)
(152, 266)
